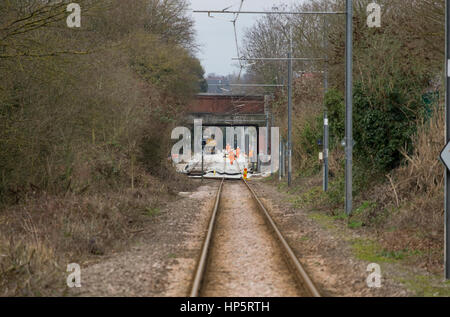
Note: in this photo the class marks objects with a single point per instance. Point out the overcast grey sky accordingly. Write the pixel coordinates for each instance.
(216, 35)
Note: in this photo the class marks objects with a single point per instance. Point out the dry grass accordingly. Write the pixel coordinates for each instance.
(335, 161)
(419, 184)
(419, 187)
(41, 236)
(26, 267)
(423, 175)
(45, 232)
(409, 211)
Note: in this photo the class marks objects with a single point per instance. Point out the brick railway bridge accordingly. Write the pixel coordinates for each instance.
(230, 110)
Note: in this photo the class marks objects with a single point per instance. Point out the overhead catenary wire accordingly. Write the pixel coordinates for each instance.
(236, 38)
(233, 21)
(270, 12)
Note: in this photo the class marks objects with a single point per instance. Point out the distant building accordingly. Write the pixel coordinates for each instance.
(218, 85)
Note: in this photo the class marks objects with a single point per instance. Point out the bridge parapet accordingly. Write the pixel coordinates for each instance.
(227, 104)
(221, 110)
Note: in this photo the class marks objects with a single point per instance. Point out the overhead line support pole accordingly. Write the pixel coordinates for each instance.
(325, 113)
(290, 109)
(349, 109)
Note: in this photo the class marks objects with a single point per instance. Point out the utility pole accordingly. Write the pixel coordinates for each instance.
(349, 109)
(326, 137)
(203, 147)
(290, 108)
(447, 137)
(266, 110)
(280, 161)
(285, 158)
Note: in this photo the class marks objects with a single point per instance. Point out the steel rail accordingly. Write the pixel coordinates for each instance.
(196, 284)
(300, 272)
(296, 267)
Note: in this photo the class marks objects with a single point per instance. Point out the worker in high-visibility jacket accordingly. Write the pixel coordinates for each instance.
(231, 156)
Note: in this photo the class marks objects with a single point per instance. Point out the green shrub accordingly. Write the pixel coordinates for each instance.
(383, 123)
(334, 103)
(383, 127)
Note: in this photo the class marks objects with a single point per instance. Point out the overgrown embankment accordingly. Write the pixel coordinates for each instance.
(398, 118)
(85, 121)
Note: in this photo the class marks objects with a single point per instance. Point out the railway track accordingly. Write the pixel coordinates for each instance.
(244, 253)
